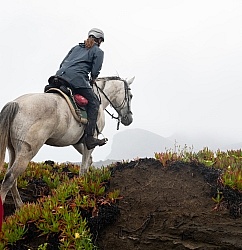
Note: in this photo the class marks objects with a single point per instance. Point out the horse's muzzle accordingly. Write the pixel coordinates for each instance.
(127, 119)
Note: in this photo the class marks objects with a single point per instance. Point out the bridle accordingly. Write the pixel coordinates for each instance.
(119, 107)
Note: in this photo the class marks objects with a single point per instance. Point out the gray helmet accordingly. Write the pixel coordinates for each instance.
(96, 33)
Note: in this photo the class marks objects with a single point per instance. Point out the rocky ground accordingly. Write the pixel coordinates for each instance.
(168, 208)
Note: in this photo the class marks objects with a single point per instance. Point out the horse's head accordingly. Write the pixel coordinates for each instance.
(118, 94)
(124, 99)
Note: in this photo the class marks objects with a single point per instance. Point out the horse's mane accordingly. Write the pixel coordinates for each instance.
(109, 78)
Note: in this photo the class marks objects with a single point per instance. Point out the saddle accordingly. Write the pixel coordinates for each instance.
(76, 102)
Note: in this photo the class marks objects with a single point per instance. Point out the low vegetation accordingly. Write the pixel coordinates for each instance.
(229, 162)
(64, 212)
(65, 203)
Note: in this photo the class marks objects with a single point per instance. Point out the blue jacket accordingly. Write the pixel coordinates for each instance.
(78, 63)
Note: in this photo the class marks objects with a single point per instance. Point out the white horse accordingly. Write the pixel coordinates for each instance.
(32, 120)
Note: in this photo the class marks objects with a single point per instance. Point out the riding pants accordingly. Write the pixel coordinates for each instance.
(91, 108)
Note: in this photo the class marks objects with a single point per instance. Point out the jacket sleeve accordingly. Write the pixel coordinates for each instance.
(97, 64)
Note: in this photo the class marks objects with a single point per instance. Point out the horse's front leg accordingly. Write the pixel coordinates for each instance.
(86, 161)
(86, 158)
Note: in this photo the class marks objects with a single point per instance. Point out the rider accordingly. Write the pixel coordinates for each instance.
(84, 59)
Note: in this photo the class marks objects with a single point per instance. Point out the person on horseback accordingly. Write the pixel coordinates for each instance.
(84, 59)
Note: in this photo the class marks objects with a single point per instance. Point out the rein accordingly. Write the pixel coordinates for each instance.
(117, 108)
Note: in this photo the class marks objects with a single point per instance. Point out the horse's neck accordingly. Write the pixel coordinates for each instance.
(110, 89)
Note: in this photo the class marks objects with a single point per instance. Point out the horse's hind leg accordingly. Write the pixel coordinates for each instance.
(10, 163)
(10, 180)
(16, 196)
(14, 190)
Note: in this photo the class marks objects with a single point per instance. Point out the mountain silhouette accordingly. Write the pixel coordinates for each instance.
(137, 143)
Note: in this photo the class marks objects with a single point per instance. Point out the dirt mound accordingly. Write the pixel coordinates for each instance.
(172, 208)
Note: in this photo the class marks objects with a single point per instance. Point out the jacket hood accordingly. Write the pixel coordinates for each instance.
(82, 45)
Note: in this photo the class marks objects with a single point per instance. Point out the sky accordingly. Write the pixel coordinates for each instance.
(186, 56)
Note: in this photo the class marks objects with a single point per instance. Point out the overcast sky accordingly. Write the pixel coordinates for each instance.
(186, 56)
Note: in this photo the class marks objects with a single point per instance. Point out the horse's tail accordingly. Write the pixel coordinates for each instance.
(7, 115)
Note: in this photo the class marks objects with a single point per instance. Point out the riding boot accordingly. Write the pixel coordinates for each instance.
(92, 142)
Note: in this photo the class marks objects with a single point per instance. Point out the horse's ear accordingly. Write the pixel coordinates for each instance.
(130, 80)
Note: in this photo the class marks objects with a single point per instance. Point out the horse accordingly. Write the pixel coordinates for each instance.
(32, 120)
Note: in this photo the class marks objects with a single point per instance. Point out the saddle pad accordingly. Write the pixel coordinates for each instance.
(80, 114)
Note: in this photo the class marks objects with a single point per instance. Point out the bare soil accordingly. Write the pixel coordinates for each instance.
(163, 208)
(172, 208)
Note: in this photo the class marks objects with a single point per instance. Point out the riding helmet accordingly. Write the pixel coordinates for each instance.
(96, 33)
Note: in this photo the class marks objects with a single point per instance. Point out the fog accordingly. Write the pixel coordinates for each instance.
(186, 57)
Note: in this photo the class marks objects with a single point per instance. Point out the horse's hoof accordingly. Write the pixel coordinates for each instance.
(82, 172)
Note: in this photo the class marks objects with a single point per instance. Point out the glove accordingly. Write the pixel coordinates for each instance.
(92, 81)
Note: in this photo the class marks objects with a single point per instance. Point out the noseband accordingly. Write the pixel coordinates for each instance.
(118, 108)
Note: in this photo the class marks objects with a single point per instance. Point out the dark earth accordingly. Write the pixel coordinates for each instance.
(164, 208)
